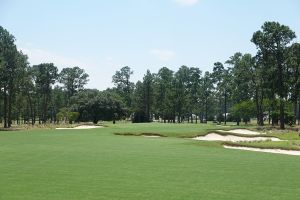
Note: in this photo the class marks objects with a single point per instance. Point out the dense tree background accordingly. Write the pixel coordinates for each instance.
(265, 86)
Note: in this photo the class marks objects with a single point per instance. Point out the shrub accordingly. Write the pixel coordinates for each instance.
(72, 116)
(210, 118)
(220, 117)
(65, 115)
(289, 119)
(275, 117)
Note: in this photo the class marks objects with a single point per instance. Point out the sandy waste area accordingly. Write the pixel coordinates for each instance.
(82, 127)
(152, 136)
(278, 151)
(232, 138)
(242, 131)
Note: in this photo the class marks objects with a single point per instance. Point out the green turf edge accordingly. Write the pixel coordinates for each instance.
(283, 145)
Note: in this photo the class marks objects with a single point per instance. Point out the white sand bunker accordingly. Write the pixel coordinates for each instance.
(232, 138)
(242, 132)
(278, 151)
(82, 127)
(151, 136)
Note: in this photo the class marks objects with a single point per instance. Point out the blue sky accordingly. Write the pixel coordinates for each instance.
(103, 36)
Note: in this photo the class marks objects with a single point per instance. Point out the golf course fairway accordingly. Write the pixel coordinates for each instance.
(97, 164)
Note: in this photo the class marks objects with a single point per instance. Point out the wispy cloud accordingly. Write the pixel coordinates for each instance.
(103, 67)
(187, 2)
(37, 56)
(162, 54)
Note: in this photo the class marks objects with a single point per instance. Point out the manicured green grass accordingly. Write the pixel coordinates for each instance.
(96, 164)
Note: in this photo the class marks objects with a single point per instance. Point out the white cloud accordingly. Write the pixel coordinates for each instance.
(109, 60)
(162, 54)
(100, 70)
(187, 2)
(37, 56)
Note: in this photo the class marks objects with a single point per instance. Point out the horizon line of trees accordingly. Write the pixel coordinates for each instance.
(265, 85)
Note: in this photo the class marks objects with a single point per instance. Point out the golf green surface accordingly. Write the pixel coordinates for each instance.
(97, 164)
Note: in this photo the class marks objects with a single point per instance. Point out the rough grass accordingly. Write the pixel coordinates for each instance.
(291, 141)
(285, 145)
(289, 135)
(185, 130)
(96, 164)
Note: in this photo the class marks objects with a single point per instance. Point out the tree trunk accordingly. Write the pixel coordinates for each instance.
(273, 103)
(225, 107)
(295, 112)
(9, 120)
(45, 110)
(52, 115)
(30, 107)
(281, 89)
(5, 107)
(39, 110)
(258, 100)
(148, 104)
(33, 114)
(269, 113)
(299, 112)
(281, 113)
(206, 107)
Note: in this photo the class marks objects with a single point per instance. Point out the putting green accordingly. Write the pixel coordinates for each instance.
(96, 164)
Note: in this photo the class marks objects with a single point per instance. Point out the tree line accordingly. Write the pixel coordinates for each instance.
(265, 85)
